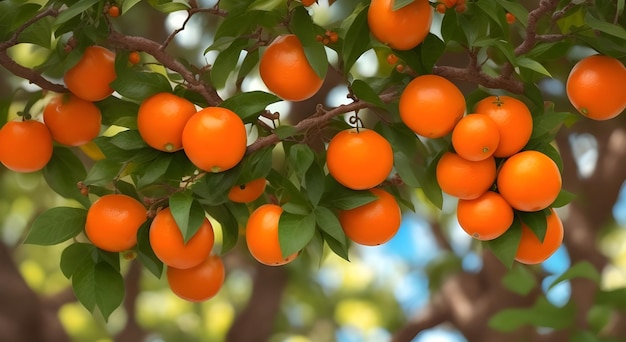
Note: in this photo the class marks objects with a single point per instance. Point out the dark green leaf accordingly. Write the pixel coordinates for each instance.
(230, 227)
(582, 269)
(213, 188)
(300, 158)
(102, 172)
(505, 246)
(314, 182)
(84, 284)
(249, 62)
(63, 172)
(128, 140)
(226, 62)
(428, 181)
(337, 247)
(128, 4)
(74, 256)
(364, 92)
(345, 199)
(145, 254)
(285, 131)
(74, 10)
(329, 224)
(302, 26)
(518, 10)
(155, 170)
(563, 198)
(520, 280)
(56, 225)
(536, 221)
(187, 213)
(109, 288)
(295, 232)
(169, 6)
(249, 105)
(118, 112)
(605, 27)
(356, 41)
(431, 50)
(137, 85)
(39, 33)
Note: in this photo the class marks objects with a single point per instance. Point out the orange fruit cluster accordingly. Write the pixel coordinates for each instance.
(458, 5)
(595, 87)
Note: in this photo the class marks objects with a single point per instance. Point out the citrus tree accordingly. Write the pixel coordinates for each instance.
(173, 159)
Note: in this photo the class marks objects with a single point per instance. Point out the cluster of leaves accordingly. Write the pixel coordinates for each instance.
(517, 56)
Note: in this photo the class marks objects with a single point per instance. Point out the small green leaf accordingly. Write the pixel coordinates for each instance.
(285, 131)
(398, 4)
(431, 50)
(118, 112)
(518, 10)
(56, 225)
(128, 140)
(155, 170)
(582, 269)
(505, 246)
(536, 221)
(128, 4)
(605, 27)
(519, 280)
(230, 226)
(137, 85)
(63, 172)
(598, 317)
(301, 157)
(76, 9)
(108, 289)
(226, 62)
(303, 27)
(341, 249)
(563, 198)
(74, 256)
(314, 183)
(295, 232)
(329, 223)
(364, 92)
(187, 213)
(145, 254)
(346, 199)
(102, 172)
(39, 33)
(356, 41)
(83, 283)
(428, 181)
(249, 105)
(533, 65)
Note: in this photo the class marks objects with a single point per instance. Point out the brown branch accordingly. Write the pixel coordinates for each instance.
(190, 13)
(18, 70)
(474, 75)
(437, 312)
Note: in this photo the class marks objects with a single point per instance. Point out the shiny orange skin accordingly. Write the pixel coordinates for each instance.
(529, 181)
(113, 221)
(475, 137)
(25, 146)
(463, 178)
(71, 120)
(199, 283)
(531, 251)
(168, 244)
(215, 139)
(286, 71)
(374, 223)
(486, 217)
(161, 119)
(248, 192)
(262, 236)
(359, 159)
(596, 86)
(430, 106)
(514, 121)
(402, 29)
(89, 79)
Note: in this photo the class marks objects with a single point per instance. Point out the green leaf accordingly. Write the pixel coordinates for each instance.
(74, 10)
(300, 157)
(230, 226)
(605, 27)
(398, 4)
(118, 112)
(102, 172)
(314, 182)
(155, 170)
(63, 172)
(598, 317)
(213, 188)
(428, 181)
(541, 314)
(533, 65)
(364, 92)
(137, 85)
(505, 246)
(249, 62)
(128, 4)
(295, 232)
(329, 224)
(169, 6)
(226, 62)
(256, 165)
(337, 247)
(519, 280)
(74, 256)
(615, 298)
(303, 27)
(249, 105)
(145, 254)
(346, 199)
(109, 288)
(187, 213)
(489, 7)
(39, 33)
(356, 41)
(431, 50)
(285, 131)
(56, 225)
(536, 221)
(563, 198)
(128, 140)
(582, 269)
(518, 10)
(84, 284)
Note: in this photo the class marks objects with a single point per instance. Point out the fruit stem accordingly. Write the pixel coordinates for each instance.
(356, 121)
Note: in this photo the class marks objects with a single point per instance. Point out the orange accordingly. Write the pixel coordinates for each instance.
(248, 192)
(198, 283)
(441, 8)
(463, 178)
(71, 120)
(161, 120)
(529, 181)
(430, 105)
(262, 236)
(168, 245)
(475, 137)
(510, 18)
(113, 221)
(514, 121)
(359, 159)
(25, 146)
(373, 223)
(89, 79)
(532, 251)
(114, 11)
(215, 139)
(308, 3)
(596, 86)
(486, 217)
(134, 57)
(402, 29)
(286, 71)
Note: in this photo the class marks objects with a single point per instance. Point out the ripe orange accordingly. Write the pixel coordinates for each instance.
(215, 139)
(392, 59)
(89, 79)
(510, 18)
(595, 87)
(248, 192)
(475, 137)
(25, 146)
(441, 8)
(529, 181)
(359, 159)
(114, 11)
(113, 221)
(262, 236)
(198, 283)
(134, 57)
(532, 251)
(514, 121)
(71, 120)
(430, 105)
(167, 241)
(161, 120)
(402, 29)
(286, 71)
(486, 217)
(463, 178)
(373, 223)
(308, 3)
